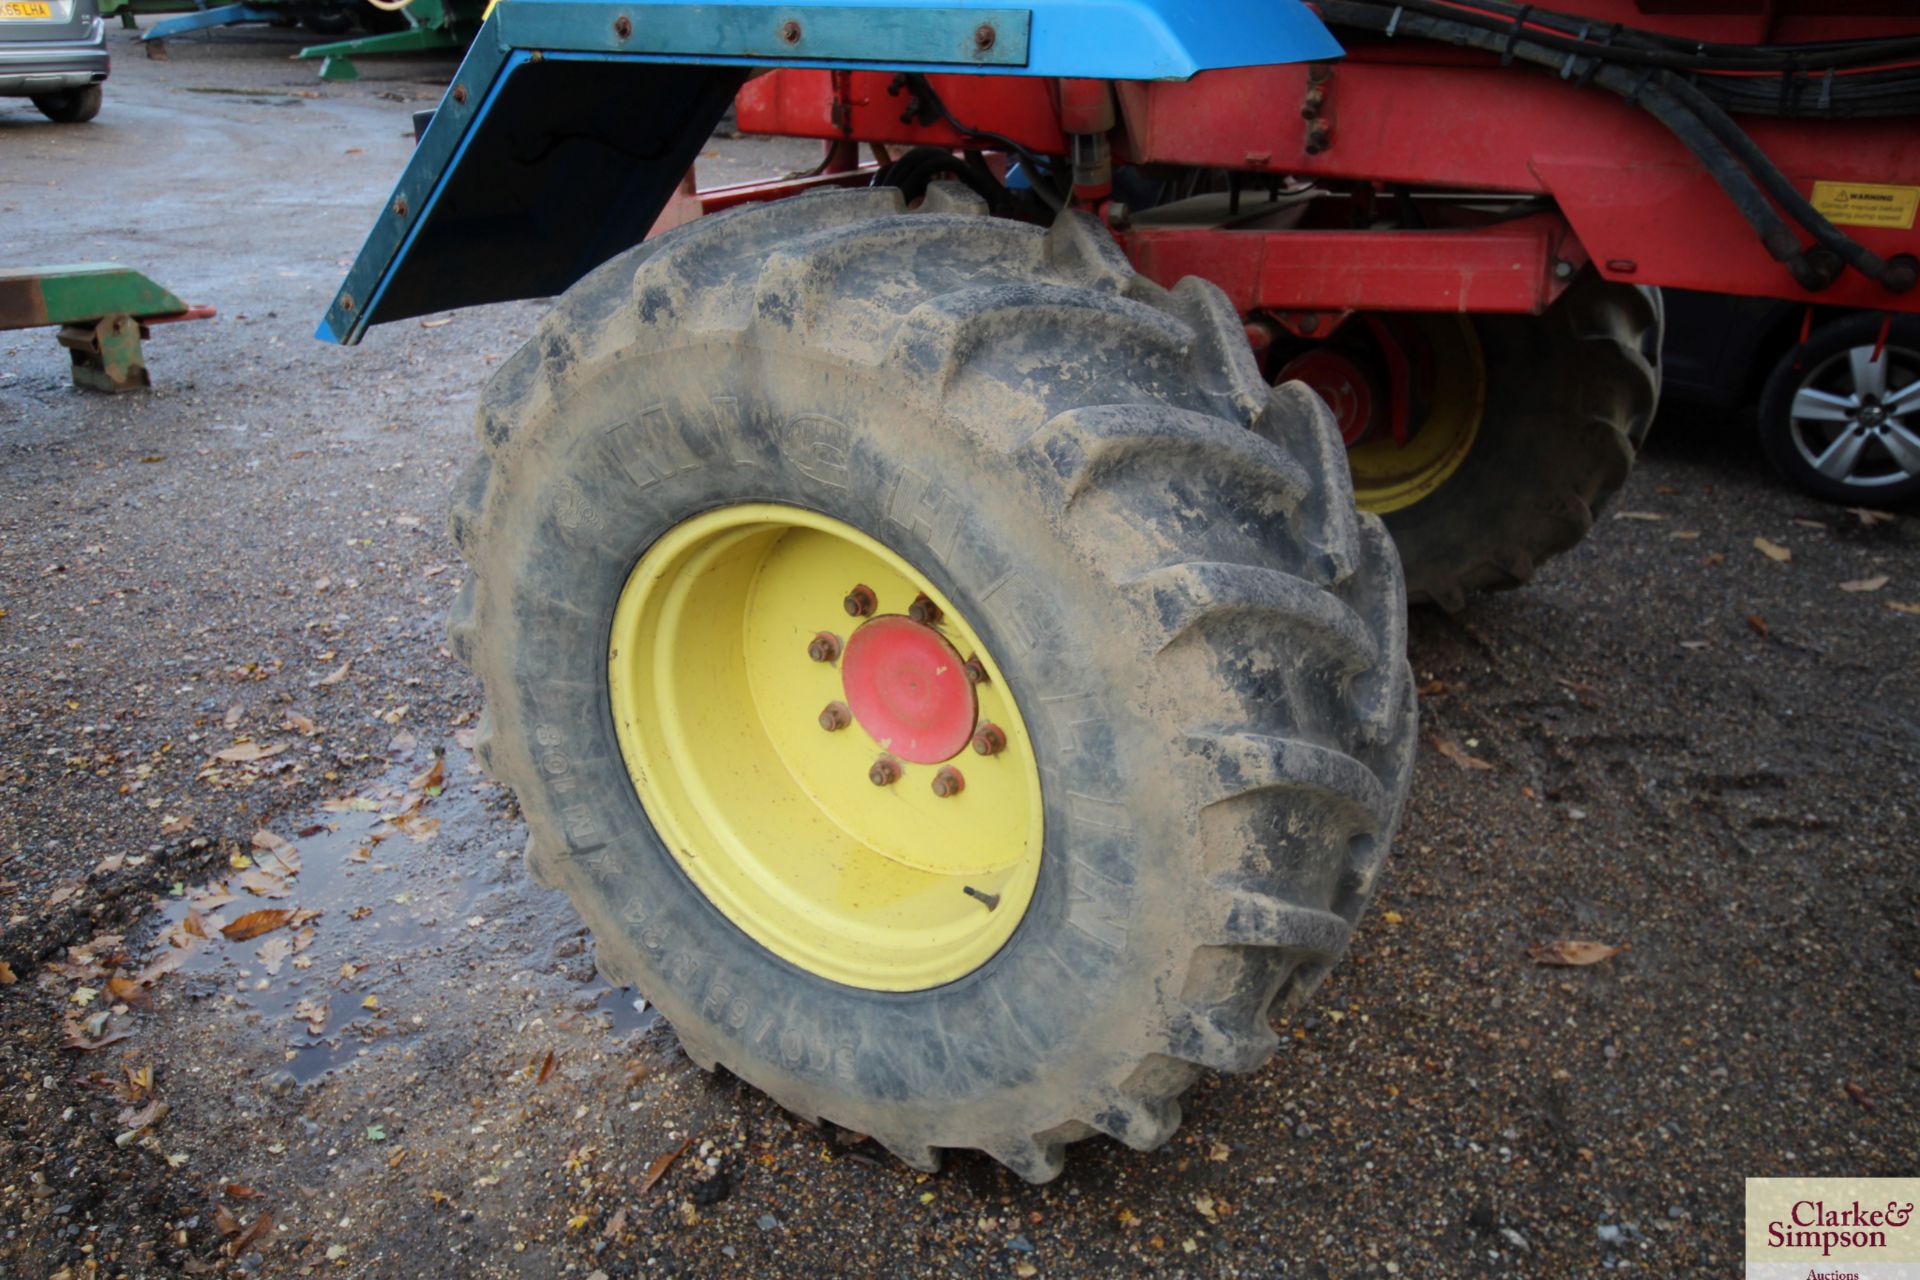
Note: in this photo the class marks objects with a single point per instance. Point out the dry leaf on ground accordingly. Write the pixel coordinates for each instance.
(1772, 550)
(1902, 606)
(1458, 754)
(1874, 583)
(314, 1013)
(1572, 953)
(273, 953)
(661, 1163)
(255, 923)
(246, 752)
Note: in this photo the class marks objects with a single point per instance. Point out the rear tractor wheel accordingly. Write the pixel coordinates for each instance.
(953, 686)
(1512, 431)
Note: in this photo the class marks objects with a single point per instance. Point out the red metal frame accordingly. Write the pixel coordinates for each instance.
(1619, 190)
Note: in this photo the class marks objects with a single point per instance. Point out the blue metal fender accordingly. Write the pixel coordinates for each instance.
(570, 122)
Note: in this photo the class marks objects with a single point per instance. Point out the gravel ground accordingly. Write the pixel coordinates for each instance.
(220, 613)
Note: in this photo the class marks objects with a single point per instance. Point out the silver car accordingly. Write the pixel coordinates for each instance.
(55, 52)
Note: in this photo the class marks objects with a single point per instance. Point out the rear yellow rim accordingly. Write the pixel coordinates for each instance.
(1389, 475)
(724, 681)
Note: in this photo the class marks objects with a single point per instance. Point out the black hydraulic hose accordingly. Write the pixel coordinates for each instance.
(1650, 48)
(1713, 137)
(925, 91)
(1639, 89)
(1897, 277)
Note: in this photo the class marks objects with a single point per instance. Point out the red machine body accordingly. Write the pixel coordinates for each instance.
(1471, 141)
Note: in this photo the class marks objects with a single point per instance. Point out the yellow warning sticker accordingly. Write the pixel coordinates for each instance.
(1860, 204)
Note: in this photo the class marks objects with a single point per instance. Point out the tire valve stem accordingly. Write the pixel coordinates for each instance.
(824, 647)
(923, 611)
(989, 740)
(861, 601)
(885, 772)
(992, 900)
(948, 782)
(835, 716)
(976, 671)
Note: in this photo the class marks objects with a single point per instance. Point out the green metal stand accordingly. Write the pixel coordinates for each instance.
(434, 24)
(102, 310)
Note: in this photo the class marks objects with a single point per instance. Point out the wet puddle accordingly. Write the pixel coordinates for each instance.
(355, 931)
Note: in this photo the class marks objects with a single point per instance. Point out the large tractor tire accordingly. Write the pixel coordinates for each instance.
(952, 685)
(1528, 428)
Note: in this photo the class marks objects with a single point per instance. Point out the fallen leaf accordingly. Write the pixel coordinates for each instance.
(1638, 515)
(616, 1224)
(273, 953)
(78, 1039)
(337, 674)
(1570, 954)
(1870, 517)
(376, 1133)
(246, 752)
(433, 777)
(314, 1013)
(146, 1117)
(264, 884)
(255, 923)
(1874, 583)
(1458, 754)
(1759, 625)
(272, 843)
(6, 974)
(1804, 523)
(224, 1221)
(1858, 1094)
(161, 965)
(661, 1163)
(1685, 535)
(299, 724)
(546, 1069)
(435, 324)
(1772, 550)
(255, 1229)
(62, 891)
(1901, 606)
(239, 1192)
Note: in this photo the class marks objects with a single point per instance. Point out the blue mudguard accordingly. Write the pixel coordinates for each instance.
(571, 121)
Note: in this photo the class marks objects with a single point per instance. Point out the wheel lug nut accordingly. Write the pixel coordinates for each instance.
(860, 601)
(824, 647)
(989, 740)
(948, 782)
(976, 672)
(923, 610)
(885, 772)
(835, 717)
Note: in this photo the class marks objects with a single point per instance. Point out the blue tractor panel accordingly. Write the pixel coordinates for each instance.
(570, 122)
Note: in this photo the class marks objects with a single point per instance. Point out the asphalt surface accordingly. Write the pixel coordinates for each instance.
(220, 615)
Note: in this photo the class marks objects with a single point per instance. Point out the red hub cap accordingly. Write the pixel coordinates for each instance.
(1345, 387)
(908, 688)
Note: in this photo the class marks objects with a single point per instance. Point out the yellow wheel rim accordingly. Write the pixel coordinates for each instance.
(718, 700)
(1389, 475)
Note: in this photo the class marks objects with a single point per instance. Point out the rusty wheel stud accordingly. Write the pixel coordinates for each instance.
(923, 610)
(824, 647)
(989, 740)
(885, 772)
(835, 717)
(948, 782)
(861, 601)
(976, 671)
